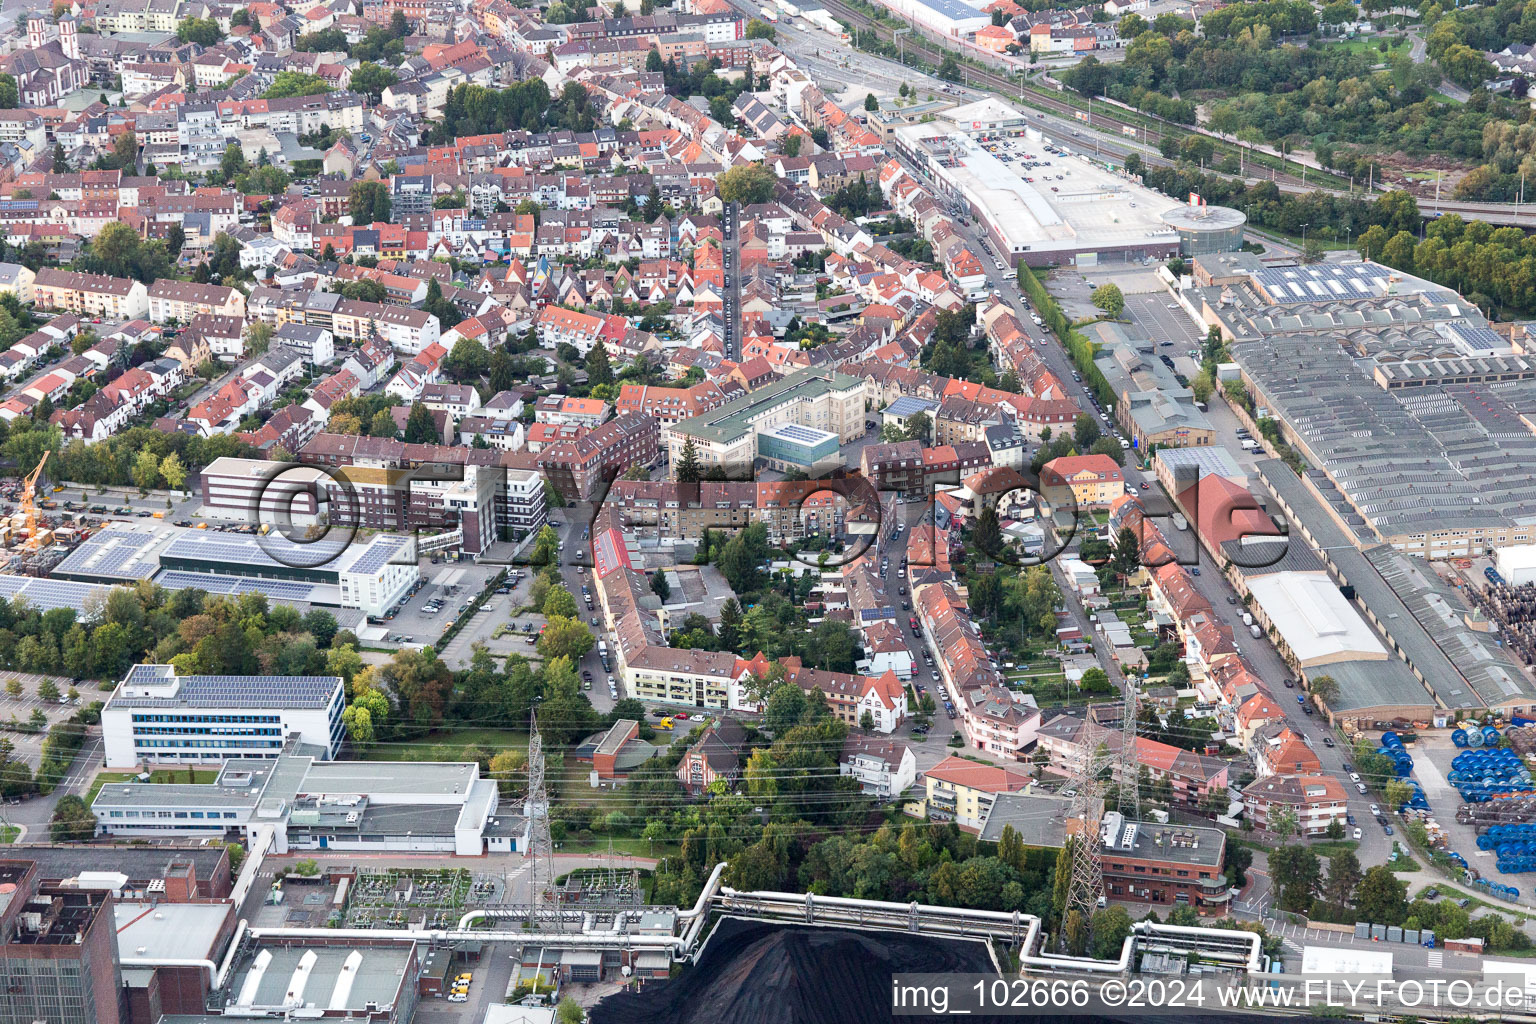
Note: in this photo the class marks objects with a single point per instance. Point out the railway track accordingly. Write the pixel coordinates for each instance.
(1149, 134)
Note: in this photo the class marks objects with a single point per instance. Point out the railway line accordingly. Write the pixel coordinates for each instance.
(1150, 132)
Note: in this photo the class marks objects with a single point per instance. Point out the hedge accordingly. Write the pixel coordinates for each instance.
(1077, 345)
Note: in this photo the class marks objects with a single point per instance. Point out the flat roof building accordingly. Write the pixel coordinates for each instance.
(338, 569)
(314, 804)
(1174, 865)
(371, 981)
(156, 716)
(1312, 620)
(1079, 213)
(826, 401)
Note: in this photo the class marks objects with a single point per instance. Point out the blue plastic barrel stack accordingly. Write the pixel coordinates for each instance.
(1460, 739)
(1508, 892)
(1482, 774)
(1402, 762)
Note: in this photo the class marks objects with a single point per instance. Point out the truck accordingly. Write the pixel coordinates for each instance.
(1179, 521)
(1255, 631)
(770, 13)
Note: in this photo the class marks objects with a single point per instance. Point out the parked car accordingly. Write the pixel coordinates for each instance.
(1358, 834)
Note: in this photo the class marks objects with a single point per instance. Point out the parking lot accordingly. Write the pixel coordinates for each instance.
(1162, 324)
(447, 586)
(20, 709)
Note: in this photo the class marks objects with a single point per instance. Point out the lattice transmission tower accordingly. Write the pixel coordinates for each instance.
(1087, 884)
(1129, 767)
(544, 906)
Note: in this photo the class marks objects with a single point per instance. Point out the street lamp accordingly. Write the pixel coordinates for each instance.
(1304, 236)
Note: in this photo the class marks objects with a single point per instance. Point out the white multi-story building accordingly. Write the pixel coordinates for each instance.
(884, 768)
(155, 716)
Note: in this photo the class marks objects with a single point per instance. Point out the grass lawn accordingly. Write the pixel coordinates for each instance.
(1362, 44)
(164, 775)
(8, 833)
(633, 846)
(452, 739)
(1327, 848)
(1443, 98)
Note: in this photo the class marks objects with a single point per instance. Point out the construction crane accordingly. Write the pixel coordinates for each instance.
(29, 506)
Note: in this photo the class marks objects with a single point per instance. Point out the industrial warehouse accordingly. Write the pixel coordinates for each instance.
(368, 573)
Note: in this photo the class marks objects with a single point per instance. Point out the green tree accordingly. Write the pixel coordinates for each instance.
(72, 821)
(559, 602)
(688, 471)
(950, 69)
(1325, 688)
(786, 706)
(447, 314)
(202, 31)
(988, 536)
(419, 426)
(599, 370)
(9, 95)
(364, 290)
(870, 103)
(1074, 928)
(295, 83)
(746, 184)
(146, 470)
(172, 471)
(1110, 299)
(368, 202)
(758, 29)
(1381, 897)
(546, 547)
(1085, 430)
(919, 427)
(1343, 877)
(1109, 929)
(570, 1012)
(565, 637)
(372, 79)
(468, 360)
(659, 585)
(344, 661)
(366, 716)
(48, 690)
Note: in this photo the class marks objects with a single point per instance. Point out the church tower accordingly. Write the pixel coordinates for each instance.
(69, 36)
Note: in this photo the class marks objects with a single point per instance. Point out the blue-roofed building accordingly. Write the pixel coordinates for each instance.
(904, 408)
(157, 717)
(792, 446)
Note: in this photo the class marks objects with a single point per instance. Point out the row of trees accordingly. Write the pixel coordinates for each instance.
(1494, 267)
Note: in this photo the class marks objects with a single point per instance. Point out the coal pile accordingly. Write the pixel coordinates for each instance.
(754, 973)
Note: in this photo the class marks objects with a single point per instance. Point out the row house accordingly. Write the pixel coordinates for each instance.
(90, 295)
(577, 468)
(184, 300)
(672, 405)
(561, 410)
(991, 719)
